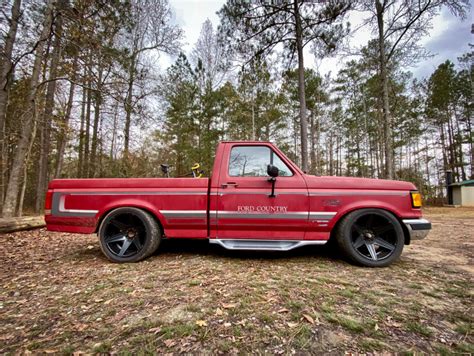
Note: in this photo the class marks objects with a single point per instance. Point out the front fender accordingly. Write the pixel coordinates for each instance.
(365, 204)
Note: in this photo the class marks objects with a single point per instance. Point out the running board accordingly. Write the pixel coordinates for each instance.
(264, 245)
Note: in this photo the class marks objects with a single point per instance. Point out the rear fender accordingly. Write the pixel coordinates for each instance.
(133, 203)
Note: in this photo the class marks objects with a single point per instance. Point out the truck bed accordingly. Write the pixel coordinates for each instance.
(179, 203)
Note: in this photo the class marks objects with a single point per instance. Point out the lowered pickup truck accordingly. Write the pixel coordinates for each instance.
(255, 199)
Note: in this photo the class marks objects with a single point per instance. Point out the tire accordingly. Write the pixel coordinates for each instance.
(129, 235)
(370, 237)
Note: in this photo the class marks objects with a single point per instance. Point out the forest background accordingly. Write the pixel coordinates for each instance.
(83, 91)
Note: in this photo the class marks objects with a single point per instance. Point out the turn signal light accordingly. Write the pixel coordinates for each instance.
(416, 199)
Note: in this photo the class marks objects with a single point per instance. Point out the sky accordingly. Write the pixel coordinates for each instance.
(448, 39)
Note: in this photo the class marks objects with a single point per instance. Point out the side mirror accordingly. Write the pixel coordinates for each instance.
(272, 171)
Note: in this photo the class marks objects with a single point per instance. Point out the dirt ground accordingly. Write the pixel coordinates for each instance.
(58, 294)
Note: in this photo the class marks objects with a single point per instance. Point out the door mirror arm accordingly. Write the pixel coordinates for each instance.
(272, 180)
(273, 172)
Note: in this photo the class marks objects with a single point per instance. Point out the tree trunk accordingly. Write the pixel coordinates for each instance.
(331, 156)
(114, 134)
(47, 118)
(295, 138)
(427, 161)
(470, 140)
(63, 132)
(97, 104)
(312, 154)
(380, 140)
(25, 171)
(11, 197)
(318, 151)
(359, 166)
(459, 148)
(128, 107)
(85, 171)
(6, 75)
(387, 122)
(301, 89)
(452, 154)
(19, 224)
(80, 163)
(6, 65)
(339, 156)
(443, 147)
(101, 150)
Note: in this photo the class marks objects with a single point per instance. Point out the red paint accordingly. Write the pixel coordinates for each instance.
(48, 200)
(87, 201)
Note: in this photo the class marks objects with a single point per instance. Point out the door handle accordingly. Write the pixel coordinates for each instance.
(225, 185)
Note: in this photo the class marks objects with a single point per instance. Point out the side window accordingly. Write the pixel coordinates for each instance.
(252, 161)
(282, 167)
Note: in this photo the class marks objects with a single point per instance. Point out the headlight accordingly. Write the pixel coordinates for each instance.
(416, 199)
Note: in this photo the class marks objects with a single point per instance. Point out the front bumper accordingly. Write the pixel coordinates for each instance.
(418, 229)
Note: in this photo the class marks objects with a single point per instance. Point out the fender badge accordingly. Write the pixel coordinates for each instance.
(331, 202)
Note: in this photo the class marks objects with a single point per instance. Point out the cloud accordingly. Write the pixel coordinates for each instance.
(448, 39)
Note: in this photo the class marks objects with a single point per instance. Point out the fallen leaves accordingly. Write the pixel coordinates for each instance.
(81, 327)
(154, 330)
(71, 298)
(169, 343)
(308, 318)
(392, 323)
(201, 323)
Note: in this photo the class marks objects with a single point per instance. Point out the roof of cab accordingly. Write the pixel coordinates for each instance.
(242, 141)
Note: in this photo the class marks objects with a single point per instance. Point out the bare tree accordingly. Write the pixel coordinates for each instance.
(293, 25)
(11, 196)
(64, 126)
(6, 75)
(400, 25)
(151, 30)
(210, 54)
(47, 114)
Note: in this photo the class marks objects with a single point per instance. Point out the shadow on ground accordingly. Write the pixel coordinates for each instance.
(203, 247)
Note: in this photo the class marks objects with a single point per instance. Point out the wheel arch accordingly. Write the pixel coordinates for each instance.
(389, 210)
(144, 207)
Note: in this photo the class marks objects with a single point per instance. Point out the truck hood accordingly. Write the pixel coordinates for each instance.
(324, 182)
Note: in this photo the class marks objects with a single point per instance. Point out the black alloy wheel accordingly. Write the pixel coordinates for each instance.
(129, 235)
(371, 237)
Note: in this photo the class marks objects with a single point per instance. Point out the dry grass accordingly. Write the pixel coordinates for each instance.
(58, 294)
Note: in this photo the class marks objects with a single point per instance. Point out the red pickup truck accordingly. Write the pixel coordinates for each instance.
(255, 199)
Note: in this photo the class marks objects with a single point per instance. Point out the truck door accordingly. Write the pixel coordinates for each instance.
(245, 209)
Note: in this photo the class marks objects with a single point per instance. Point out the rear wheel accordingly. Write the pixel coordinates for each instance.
(371, 237)
(129, 235)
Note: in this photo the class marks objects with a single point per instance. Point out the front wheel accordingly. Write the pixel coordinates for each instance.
(128, 235)
(371, 237)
